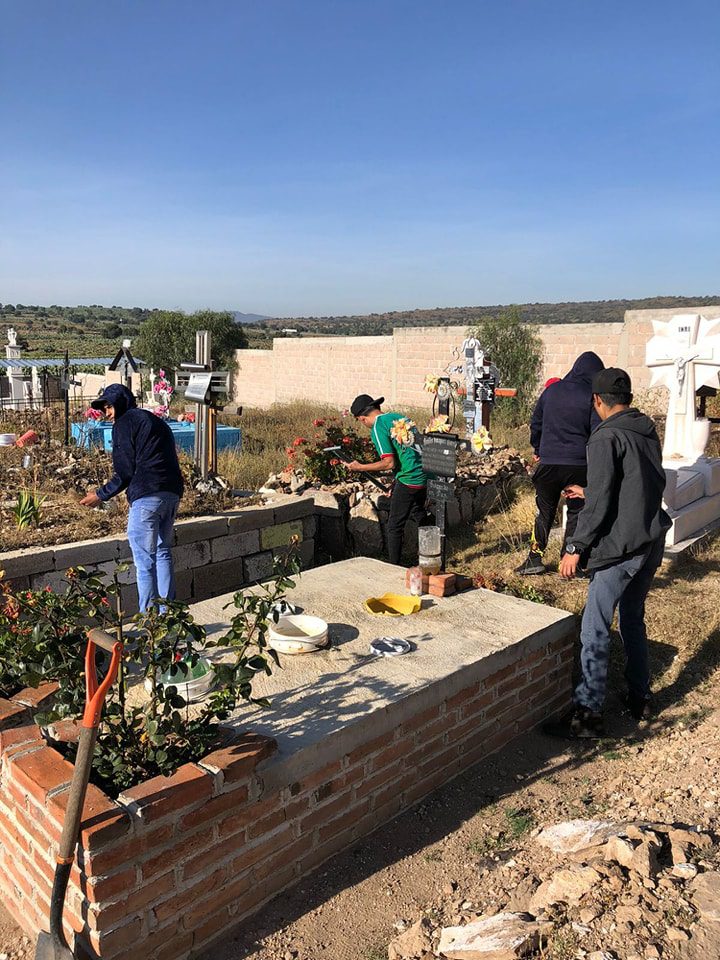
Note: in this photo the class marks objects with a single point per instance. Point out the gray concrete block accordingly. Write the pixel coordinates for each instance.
(235, 545)
(188, 556)
(55, 579)
(200, 528)
(129, 596)
(258, 567)
(329, 504)
(184, 585)
(215, 578)
(107, 570)
(310, 525)
(292, 508)
(281, 535)
(86, 552)
(251, 518)
(27, 563)
(307, 554)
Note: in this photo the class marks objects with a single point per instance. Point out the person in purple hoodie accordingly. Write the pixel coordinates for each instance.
(145, 464)
(563, 419)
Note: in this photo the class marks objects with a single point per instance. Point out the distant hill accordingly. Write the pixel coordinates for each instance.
(590, 311)
(245, 318)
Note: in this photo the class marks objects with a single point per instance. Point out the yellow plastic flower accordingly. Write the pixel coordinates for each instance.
(431, 383)
(402, 431)
(481, 441)
(439, 424)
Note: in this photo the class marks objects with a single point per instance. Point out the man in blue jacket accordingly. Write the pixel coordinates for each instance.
(145, 464)
(560, 428)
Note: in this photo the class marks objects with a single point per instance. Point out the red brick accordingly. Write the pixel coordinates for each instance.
(379, 779)
(495, 678)
(36, 697)
(256, 828)
(228, 892)
(160, 796)
(324, 812)
(179, 851)
(287, 857)
(133, 903)
(105, 888)
(211, 928)
(178, 904)
(249, 856)
(179, 946)
(23, 735)
(436, 727)
(386, 756)
(513, 684)
(215, 808)
(316, 779)
(42, 830)
(348, 820)
(108, 859)
(250, 812)
(442, 584)
(420, 719)
(41, 771)
(102, 820)
(474, 707)
(113, 943)
(462, 696)
(237, 761)
(12, 714)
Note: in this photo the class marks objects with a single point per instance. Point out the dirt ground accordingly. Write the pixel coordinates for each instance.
(469, 848)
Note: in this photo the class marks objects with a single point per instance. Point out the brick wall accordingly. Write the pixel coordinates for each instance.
(335, 369)
(175, 862)
(212, 555)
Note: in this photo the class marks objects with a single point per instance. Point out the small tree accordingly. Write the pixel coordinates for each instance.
(517, 351)
(167, 338)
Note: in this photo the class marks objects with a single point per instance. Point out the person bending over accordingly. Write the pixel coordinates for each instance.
(409, 492)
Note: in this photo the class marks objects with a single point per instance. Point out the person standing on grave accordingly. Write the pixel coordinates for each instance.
(620, 535)
(145, 464)
(393, 437)
(560, 428)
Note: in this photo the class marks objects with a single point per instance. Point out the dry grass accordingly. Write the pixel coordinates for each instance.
(683, 608)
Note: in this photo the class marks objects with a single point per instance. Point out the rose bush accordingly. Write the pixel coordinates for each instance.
(320, 467)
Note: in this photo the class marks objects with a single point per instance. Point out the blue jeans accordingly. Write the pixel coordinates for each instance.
(150, 534)
(623, 586)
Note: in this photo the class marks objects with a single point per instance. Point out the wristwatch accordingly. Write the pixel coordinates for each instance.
(571, 549)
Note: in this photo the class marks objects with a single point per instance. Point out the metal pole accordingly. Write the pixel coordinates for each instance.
(66, 384)
(202, 412)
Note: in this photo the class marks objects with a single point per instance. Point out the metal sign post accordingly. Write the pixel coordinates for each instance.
(439, 461)
(199, 383)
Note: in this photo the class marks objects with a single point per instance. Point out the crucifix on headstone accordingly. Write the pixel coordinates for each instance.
(200, 382)
(684, 355)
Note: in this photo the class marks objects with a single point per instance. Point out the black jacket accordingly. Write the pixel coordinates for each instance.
(623, 511)
(564, 415)
(144, 456)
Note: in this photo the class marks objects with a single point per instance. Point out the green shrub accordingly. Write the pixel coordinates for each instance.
(517, 351)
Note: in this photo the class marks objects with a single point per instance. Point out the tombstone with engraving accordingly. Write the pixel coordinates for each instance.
(684, 356)
(439, 461)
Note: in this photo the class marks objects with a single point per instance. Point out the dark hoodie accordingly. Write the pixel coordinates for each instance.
(623, 511)
(564, 415)
(144, 455)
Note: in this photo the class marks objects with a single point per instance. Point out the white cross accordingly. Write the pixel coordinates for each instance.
(684, 355)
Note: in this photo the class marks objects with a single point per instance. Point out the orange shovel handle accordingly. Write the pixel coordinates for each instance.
(96, 693)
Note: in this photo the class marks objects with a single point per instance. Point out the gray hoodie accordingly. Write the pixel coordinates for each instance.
(623, 511)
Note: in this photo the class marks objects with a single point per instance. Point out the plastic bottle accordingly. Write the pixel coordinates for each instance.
(416, 582)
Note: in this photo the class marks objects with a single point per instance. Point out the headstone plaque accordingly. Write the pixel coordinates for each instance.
(439, 454)
(199, 387)
(440, 490)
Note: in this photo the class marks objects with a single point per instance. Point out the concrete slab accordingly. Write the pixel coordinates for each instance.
(339, 694)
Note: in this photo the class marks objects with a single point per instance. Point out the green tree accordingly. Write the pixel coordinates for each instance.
(517, 351)
(167, 338)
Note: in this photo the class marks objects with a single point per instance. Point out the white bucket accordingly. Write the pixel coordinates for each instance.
(7, 439)
(299, 633)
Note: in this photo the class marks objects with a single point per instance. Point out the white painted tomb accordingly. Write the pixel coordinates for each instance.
(684, 355)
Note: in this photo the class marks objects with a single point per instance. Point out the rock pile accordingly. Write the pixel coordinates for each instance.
(612, 891)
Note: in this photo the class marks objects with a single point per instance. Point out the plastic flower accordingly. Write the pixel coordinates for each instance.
(161, 410)
(318, 423)
(92, 414)
(402, 431)
(431, 383)
(481, 441)
(347, 441)
(439, 424)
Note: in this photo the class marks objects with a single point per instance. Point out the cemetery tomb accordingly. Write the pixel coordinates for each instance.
(350, 742)
(99, 434)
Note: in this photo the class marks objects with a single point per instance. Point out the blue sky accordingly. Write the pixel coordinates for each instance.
(334, 156)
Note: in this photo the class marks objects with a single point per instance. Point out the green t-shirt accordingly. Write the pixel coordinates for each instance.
(408, 464)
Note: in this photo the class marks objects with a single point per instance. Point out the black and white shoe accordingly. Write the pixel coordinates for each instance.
(532, 566)
(579, 724)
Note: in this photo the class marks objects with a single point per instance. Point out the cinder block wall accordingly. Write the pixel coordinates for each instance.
(335, 369)
(176, 862)
(212, 555)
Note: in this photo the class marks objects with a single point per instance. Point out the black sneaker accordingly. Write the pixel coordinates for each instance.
(579, 724)
(532, 566)
(638, 707)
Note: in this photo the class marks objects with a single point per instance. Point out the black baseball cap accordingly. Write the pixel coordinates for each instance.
(364, 404)
(611, 380)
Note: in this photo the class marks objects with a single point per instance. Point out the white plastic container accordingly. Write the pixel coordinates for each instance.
(7, 439)
(298, 633)
(191, 687)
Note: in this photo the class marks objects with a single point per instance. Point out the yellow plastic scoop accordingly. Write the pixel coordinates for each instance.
(393, 604)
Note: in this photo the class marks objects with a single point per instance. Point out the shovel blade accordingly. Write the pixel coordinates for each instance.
(49, 947)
